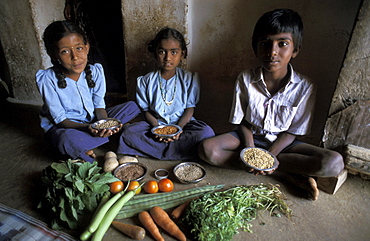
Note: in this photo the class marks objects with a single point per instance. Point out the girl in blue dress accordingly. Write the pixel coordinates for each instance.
(168, 95)
(73, 93)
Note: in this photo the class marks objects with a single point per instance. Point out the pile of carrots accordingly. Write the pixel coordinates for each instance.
(150, 220)
(157, 216)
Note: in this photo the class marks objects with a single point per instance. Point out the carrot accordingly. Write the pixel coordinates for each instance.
(149, 224)
(161, 218)
(177, 212)
(134, 232)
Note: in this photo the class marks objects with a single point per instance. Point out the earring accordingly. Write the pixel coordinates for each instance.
(59, 61)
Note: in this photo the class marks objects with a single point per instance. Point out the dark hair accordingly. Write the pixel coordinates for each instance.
(168, 33)
(279, 21)
(52, 35)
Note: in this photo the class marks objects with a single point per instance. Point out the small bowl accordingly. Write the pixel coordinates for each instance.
(99, 125)
(133, 171)
(271, 167)
(189, 172)
(179, 129)
(161, 174)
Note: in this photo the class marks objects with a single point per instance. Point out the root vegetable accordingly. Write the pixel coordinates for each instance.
(110, 164)
(177, 212)
(161, 218)
(125, 159)
(133, 231)
(109, 154)
(148, 223)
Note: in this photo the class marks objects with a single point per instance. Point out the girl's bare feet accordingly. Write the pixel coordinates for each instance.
(91, 154)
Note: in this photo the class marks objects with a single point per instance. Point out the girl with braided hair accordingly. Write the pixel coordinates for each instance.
(73, 93)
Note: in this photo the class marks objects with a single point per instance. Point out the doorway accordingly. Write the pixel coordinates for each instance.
(102, 22)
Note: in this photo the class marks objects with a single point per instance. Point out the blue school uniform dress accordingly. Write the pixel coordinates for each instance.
(167, 101)
(77, 103)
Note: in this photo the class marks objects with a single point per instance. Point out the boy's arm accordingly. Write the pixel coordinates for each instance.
(283, 140)
(246, 134)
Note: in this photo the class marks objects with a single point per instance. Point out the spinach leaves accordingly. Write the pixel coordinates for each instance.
(72, 191)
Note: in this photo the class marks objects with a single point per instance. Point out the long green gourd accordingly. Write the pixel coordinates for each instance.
(163, 200)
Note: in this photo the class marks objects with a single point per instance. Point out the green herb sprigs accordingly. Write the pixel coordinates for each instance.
(73, 191)
(219, 215)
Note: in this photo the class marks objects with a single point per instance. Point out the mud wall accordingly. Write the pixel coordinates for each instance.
(21, 26)
(219, 35)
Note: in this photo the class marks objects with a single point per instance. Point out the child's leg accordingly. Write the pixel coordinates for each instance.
(125, 112)
(220, 150)
(310, 160)
(74, 143)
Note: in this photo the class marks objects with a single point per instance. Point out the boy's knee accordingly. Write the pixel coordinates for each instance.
(207, 152)
(333, 163)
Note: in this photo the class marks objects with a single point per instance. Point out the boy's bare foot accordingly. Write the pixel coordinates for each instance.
(91, 154)
(307, 183)
(312, 189)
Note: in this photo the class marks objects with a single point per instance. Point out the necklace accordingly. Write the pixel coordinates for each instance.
(163, 92)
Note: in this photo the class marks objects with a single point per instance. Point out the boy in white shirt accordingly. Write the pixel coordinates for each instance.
(272, 105)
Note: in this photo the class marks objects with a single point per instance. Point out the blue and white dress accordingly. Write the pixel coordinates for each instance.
(167, 101)
(77, 103)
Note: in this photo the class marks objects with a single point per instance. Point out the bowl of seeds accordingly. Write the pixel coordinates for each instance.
(166, 130)
(109, 123)
(258, 159)
(133, 171)
(189, 172)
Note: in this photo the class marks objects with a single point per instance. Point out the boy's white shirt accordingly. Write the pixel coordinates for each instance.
(289, 110)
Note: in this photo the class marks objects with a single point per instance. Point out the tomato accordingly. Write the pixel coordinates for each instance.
(116, 187)
(133, 185)
(151, 186)
(165, 185)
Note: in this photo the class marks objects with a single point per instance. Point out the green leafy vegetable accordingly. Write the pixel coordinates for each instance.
(219, 215)
(72, 192)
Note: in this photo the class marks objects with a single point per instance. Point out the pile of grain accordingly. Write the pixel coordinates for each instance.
(258, 158)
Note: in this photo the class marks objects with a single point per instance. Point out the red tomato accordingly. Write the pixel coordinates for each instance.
(165, 185)
(151, 186)
(133, 185)
(116, 187)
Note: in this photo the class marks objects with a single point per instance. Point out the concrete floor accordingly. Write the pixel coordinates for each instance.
(24, 154)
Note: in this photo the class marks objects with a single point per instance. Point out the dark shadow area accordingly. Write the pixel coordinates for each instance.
(103, 23)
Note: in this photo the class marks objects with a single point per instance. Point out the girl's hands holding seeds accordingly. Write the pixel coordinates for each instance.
(104, 132)
(168, 139)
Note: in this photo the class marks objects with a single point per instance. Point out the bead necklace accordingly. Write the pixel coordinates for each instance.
(163, 93)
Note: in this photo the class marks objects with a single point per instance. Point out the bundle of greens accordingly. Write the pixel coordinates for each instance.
(219, 215)
(72, 192)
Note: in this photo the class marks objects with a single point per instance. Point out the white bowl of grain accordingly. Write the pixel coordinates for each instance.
(259, 159)
(189, 172)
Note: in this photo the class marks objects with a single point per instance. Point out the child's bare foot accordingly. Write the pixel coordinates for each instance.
(91, 154)
(307, 183)
(312, 189)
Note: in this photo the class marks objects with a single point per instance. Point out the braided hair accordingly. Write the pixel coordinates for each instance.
(52, 35)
